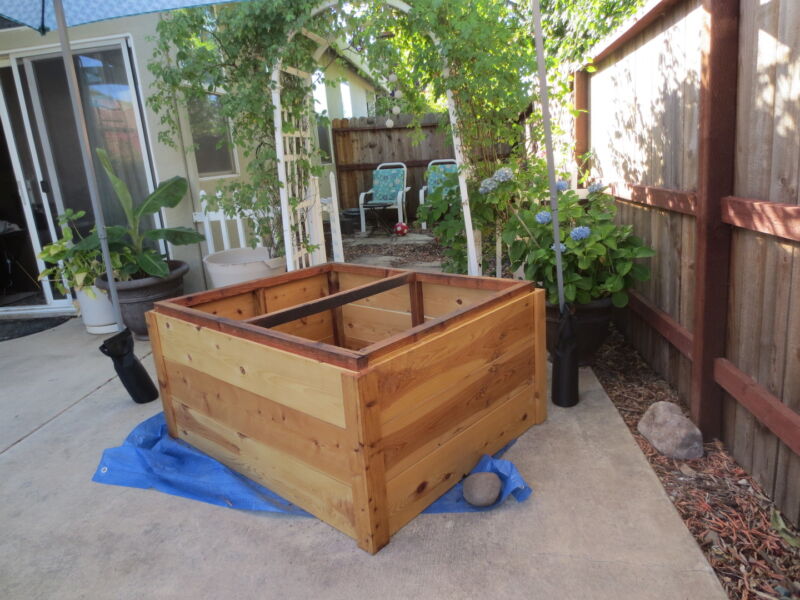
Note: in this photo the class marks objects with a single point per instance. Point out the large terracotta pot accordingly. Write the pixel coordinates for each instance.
(591, 327)
(137, 296)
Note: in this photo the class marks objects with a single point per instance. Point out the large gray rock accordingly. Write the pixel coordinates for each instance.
(670, 432)
(482, 489)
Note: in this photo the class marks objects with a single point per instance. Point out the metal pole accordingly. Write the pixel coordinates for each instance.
(86, 155)
(548, 143)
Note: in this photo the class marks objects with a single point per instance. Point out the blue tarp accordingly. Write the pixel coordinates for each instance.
(150, 459)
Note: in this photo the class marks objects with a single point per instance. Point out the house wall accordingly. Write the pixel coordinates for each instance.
(362, 98)
(168, 161)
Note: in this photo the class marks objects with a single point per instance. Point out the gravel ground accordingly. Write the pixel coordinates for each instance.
(402, 253)
(754, 553)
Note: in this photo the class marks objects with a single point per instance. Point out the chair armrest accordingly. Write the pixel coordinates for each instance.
(363, 195)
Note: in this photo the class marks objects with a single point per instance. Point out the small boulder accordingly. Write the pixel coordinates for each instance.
(670, 432)
(482, 489)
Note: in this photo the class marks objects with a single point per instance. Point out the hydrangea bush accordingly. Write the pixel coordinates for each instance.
(601, 259)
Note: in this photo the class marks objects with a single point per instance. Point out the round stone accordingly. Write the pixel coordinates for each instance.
(482, 489)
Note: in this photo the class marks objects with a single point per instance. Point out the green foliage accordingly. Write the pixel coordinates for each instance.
(131, 257)
(600, 258)
(73, 266)
(230, 51)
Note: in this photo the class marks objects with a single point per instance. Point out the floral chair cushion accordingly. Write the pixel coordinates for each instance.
(437, 175)
(385, 185)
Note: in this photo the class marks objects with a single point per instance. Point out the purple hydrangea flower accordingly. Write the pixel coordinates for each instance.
(580, 233)
(562, 244)
(544, 217)
(487, 185)
(562, 185)
(596, 187)
(503, 174)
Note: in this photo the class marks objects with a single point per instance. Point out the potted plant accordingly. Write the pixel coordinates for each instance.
(236, 265)
(142, 274)
(599, 259)
(76, 268)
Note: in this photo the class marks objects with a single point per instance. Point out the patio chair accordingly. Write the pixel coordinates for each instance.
(388, 191)
(437, 172)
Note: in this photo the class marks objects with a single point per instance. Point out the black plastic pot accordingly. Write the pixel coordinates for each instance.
(137, 296)
(590, 322)
(119, 347)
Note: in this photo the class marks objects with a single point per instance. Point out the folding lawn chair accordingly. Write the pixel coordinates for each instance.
(437, 173)
(388, 191)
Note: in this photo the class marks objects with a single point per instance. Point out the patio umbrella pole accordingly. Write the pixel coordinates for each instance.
(564, 390)
(86, 155)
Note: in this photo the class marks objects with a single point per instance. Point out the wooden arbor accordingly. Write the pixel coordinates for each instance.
(472, 258)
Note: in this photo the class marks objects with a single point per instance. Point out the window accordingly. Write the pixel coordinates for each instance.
(347, 101)
(211, 137)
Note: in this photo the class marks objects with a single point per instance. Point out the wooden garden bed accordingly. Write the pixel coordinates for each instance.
(360, 394)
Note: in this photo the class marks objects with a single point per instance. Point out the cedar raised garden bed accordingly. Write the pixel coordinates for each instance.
(360, 394)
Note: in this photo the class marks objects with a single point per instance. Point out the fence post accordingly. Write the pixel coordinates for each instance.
(715, 179)
(581, 94)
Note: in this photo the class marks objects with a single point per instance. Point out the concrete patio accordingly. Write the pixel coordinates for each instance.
(598, 526)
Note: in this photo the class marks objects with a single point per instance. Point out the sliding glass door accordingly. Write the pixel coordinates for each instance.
(54, 176)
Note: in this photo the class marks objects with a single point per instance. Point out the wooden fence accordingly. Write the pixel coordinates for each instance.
(694, 116)
(360, 145)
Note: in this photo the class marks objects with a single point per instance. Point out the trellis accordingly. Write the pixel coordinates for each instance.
(282, 154)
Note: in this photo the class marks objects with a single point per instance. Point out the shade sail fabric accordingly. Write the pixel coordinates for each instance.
(150, 459)
(40, 15)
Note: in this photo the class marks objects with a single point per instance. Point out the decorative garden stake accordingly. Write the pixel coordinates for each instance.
(564, 390)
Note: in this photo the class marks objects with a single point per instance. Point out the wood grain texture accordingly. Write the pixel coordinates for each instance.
(716, 154)
(368, 475)
(161, 372)
(320, 494)
(773, 218)
(297, 382)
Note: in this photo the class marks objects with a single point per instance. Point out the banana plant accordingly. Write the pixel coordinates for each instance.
(129, 243)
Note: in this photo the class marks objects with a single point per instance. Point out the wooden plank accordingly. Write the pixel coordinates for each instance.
(418, 486)
(336, 313)
(470, 281)
(367, 465)
(416, 303)
(248, 286)
(238, 307)
(442, 362)
(320, 494)
(672, 200)
(280, 297)
(779, 418)
(675, 333)
(373, 324)
(294, 381)
(380, 350)
(317, 327)
(715, 181)
(771, 218)
(319, 351)
(328, 302)
(161, 373)
(437, 418)
(371, 166)
(444, 299)
(314, 441)
(396, 299)
(581, 101)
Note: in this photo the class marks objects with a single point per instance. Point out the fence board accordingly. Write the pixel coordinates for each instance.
(361, 144)
(644, 131)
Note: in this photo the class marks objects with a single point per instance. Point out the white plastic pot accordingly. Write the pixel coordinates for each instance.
(97, 313)
(242, 264)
